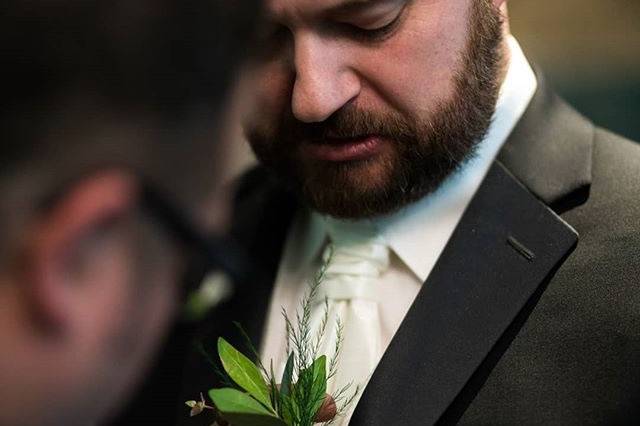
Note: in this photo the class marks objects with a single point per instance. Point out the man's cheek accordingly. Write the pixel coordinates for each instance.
(273, 85)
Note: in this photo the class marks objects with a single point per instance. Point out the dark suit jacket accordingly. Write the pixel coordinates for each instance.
(532, 313)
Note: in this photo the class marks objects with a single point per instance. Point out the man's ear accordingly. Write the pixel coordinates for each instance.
(62, 235)
(499, 3)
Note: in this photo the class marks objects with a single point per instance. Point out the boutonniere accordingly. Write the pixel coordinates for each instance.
(254, 396)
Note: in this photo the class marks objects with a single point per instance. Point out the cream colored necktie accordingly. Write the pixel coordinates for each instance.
(358, 259)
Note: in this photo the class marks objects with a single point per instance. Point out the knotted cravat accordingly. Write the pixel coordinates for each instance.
(356, 258)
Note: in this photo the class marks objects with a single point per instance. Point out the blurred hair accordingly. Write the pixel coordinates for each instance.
(137, 83)
(163, 54)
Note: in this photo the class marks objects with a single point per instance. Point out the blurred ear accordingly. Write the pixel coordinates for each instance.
(499, 3)
(75, 246)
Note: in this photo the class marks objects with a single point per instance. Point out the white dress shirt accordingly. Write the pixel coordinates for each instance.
(416, 235)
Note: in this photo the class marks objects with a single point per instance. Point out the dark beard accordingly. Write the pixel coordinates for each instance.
(426, 151)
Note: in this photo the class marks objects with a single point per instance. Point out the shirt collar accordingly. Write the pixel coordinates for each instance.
(418, 233)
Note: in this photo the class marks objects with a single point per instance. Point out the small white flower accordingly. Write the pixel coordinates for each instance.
(197, 407)
(214, 289)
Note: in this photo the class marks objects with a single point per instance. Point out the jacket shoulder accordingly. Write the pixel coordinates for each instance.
(615, 189)
(611, 149)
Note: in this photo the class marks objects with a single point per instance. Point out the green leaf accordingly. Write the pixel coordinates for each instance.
(244, 372)
(310, 389)
(274, 391)
(285, 384)
(289, 409)
(240, 409)
(319, 387)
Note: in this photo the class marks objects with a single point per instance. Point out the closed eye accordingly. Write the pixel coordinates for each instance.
(374, 33)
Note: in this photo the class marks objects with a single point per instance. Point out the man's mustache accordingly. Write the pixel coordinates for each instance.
(345, 124)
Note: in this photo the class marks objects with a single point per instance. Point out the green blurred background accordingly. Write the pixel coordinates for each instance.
(589, 50)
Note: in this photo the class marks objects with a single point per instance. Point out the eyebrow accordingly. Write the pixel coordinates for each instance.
(351, 6)
(343, 8)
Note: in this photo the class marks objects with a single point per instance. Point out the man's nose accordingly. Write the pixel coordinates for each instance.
(324, 80)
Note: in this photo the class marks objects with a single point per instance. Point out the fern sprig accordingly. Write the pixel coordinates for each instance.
(306, 375)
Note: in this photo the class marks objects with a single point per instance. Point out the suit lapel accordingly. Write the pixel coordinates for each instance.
(550, 151)
(467, 303)
(506, 248)
(264, 239)
(263, 214)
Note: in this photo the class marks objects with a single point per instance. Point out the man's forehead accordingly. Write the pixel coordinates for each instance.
(300, 9)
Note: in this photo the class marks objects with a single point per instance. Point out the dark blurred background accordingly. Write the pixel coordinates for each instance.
(589, 50)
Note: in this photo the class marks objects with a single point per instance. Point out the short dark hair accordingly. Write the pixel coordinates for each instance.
(160, 53)
(149, 66)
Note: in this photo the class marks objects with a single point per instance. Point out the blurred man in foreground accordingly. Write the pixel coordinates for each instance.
(110, 112)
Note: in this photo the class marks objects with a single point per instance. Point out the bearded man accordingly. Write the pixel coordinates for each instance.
(484, 235)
